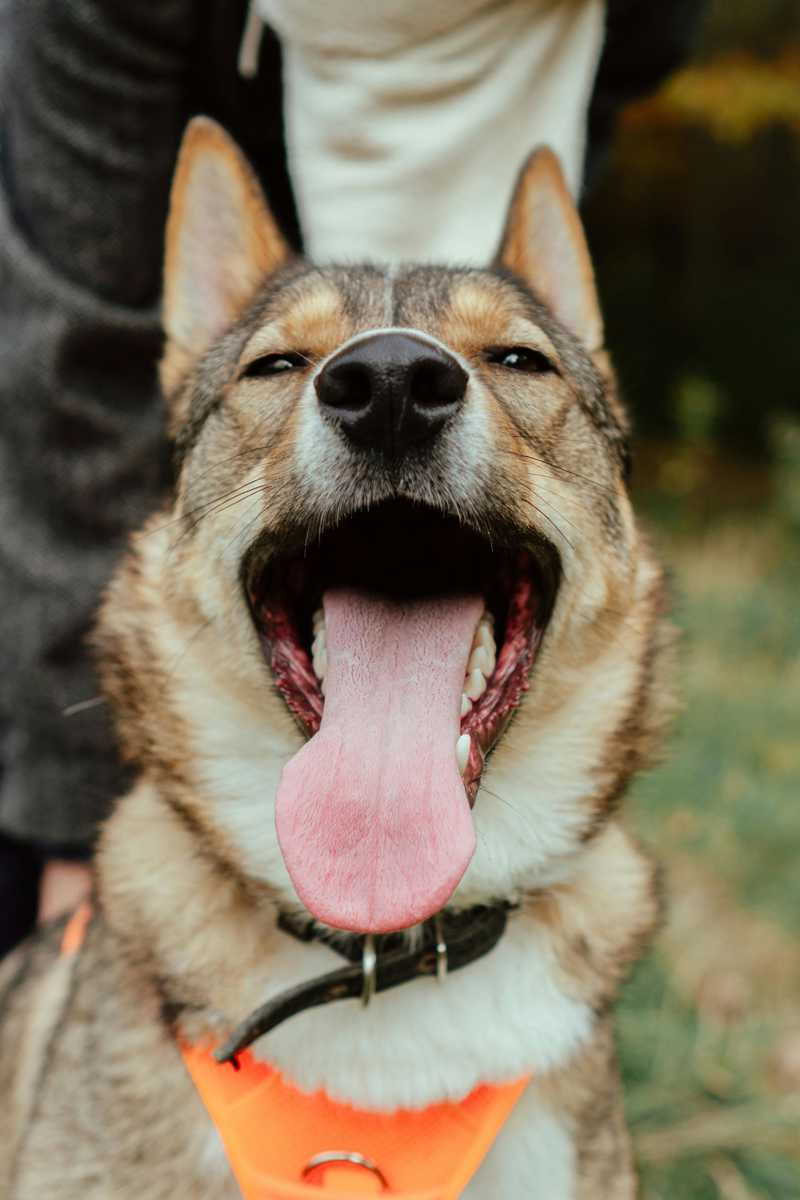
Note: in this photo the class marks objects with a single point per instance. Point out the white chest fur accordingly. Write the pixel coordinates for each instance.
(501, 1017)
(534, 1155)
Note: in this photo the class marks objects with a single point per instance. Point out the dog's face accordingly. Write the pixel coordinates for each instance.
(403, 602)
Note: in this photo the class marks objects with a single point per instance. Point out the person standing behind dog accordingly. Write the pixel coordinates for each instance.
(389, 131)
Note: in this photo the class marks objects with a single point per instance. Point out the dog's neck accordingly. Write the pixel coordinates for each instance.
(210, 944)
(243, 927)
(448, 942)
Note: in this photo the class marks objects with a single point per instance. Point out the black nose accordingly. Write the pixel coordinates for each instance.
(391, 391)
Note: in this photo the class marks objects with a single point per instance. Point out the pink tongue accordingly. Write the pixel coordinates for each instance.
(372, 816)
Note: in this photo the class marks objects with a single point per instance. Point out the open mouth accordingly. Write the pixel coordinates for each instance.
(402, 642)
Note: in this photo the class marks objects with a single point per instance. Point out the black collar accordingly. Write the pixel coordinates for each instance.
(446, 943)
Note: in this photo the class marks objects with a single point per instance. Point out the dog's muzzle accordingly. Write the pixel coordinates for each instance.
(391, 392)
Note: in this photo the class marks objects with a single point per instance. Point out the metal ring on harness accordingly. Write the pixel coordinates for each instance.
(317, 1166)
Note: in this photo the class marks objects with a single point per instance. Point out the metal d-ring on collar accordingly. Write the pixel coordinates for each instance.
(369, 969)
(441, 948)
(369, 961)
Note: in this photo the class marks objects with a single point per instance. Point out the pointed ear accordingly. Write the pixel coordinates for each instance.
(544, 243)
(221, 243)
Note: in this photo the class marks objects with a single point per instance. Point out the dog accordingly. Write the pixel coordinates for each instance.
(395, 651)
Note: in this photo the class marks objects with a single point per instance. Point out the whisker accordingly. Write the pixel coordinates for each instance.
(202, 509)
(220, 503)
(555, 525)
(501, 799)
(556, 468)
(172, 670)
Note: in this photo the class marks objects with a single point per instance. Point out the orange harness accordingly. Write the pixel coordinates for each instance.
(283, 1144)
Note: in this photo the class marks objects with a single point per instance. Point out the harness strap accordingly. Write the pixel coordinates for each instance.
(75, 929)
(283, 1144)
(274, 1134)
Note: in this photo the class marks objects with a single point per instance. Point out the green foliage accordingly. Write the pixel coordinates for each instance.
(736, 747)
(736, 98)
(785, 440)
(764, 26)
(696, 241)
(698, 403)
(695, 235)
(709, 1025)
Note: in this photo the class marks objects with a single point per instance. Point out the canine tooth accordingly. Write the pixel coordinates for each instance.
(476, 685)
(484, 636)
(463, 747)
(320, 661)
(466, 705)
(491, 655)
(481, 660)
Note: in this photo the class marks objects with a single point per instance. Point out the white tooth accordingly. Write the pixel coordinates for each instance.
(466, 705)
(463, 747)
(322, 686)
(476, 685)
(318, 620)
(484, 637)
(320, 661)
(481, 660)
(319, 652)
(487, 618)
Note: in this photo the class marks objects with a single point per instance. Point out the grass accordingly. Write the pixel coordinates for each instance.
(710, 1023)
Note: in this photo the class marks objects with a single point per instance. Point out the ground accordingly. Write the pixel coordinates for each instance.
(710, 1022)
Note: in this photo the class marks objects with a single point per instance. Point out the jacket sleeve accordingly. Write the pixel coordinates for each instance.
(92, 105)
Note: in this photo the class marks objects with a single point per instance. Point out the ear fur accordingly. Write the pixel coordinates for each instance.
(544, 243)
(221, 243)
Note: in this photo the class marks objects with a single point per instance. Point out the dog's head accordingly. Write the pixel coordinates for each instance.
(402, 625)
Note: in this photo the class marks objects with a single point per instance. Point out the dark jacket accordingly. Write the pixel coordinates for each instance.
(95, 94)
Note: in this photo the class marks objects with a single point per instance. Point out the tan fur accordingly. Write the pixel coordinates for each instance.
(188, 874)
(210, 171)
(544, 241)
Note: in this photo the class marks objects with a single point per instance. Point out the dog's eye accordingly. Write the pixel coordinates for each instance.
(274, 364)
(520, 358)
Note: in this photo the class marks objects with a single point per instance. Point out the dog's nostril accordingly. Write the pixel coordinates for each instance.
(346, 386)
(434, 384)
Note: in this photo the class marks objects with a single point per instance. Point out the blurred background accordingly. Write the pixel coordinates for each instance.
(695, 230)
